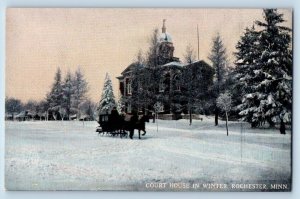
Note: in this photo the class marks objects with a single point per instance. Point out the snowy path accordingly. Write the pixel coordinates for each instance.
(71, 156)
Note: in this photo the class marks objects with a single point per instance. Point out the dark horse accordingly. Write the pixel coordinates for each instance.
(135, 123)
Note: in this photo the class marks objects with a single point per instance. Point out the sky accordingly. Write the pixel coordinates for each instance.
(100, 41)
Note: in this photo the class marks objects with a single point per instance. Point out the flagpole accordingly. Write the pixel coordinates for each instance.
(198, 39)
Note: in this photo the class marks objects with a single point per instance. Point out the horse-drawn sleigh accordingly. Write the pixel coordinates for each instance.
(117, 125)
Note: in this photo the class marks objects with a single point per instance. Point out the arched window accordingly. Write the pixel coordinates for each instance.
(128, 87)
(161, 85)
(177, 82)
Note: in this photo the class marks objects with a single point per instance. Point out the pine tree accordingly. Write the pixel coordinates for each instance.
(55, 96)
(80, 88)
(120, 104)
(269, 97)
(68, 92)
(107, 101)
(218, 58)
(276, 69)
(248, 53)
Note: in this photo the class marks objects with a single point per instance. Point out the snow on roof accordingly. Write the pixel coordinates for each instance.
(8, 115)
(130, 67)
(174, 63)
(21, 114)
(84, 116)
(194, 62)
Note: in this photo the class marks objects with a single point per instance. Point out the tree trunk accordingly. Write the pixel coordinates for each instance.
(282, 127)
(191, 117)
(216, 116)
(156, 122)
(226, 122)
(253, 124)
(271, 123)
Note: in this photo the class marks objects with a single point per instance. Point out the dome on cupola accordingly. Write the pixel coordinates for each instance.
(164, 36)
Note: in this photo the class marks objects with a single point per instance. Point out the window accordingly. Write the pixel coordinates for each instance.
(177, 82)
(128, 86)
(161, 85)
(121, 87)
(129, 108)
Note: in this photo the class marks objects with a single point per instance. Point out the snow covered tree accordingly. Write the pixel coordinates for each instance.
(31, 106)
(55, 98)
(224, 103)
(107, 101)
(68, 92)
(80, 88)
(218, 57)
(12, 106)
(88, 108)
(276, 69)
(43, 107)
(269, 97)
(246, 56)
(120, 104)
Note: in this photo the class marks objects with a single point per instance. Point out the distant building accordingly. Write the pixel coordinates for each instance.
(169, 91)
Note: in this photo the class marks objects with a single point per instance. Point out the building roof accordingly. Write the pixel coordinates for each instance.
(129, 68)
(196, 62)
(21, 114)
(174, 63)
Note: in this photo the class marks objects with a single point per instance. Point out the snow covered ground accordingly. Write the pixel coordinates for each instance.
(71, 156)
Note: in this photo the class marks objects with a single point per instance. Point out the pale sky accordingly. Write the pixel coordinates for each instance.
(105, 40)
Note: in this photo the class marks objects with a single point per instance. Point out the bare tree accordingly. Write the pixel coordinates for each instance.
(189, 56)
(224, 103)
(151, 56)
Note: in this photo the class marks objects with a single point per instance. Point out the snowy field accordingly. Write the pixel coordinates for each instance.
(71, 156)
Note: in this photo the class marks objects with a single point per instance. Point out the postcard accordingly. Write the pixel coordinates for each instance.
(149, 99)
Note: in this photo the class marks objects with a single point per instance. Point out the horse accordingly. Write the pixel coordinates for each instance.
(138, 125)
